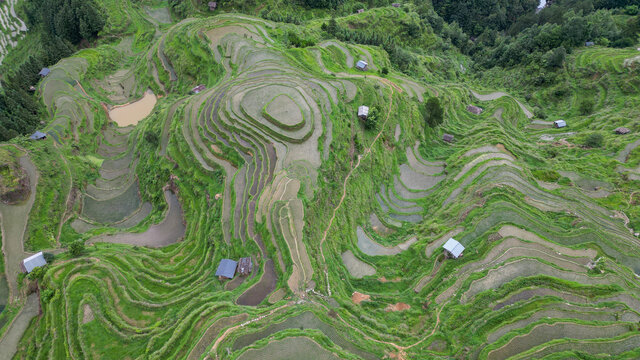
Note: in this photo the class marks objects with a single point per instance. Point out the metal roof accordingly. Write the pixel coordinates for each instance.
(44, 72)
(363, 111)
(560, 123)
(34, 261)
(227, 268)
(38, 135)
(453, 247)
(361, 64)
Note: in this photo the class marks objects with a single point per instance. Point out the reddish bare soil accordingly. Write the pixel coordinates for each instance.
(397, 307)
(357, 297)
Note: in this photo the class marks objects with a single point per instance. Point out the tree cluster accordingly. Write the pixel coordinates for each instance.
(60, 24)
(70, 20)
(432, 112)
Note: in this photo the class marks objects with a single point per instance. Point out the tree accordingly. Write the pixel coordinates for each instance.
(76, 248)
(37, 273)
(433, 113)
(594, 140)
(371, 122)
(555, 58)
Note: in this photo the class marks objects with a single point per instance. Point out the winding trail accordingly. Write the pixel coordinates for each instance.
(344, 187)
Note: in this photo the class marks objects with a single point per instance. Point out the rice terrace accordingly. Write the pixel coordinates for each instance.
(319, 179)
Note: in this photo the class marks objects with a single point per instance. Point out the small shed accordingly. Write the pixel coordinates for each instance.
(559, 124)
(32, 262)
(198, 88)
(38, 135)
(245, 266)
(363, 112)
(360, 11)
(44, 72)
(474, 109)
(226, 269)
(622, 131)
(447, 137)
(212, 5)
(32, 88)
(589, 43)
(361, 65)
(453, 248)
(395, 5)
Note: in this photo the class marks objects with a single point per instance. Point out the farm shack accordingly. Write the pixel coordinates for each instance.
(226, 269)
(622, 131)
(453, 248)
(44, 72)
(559, 124)
(447, 137)
(363, 112)
(212, 5)
(361, 65)
(32, 88)
(198, 89)
(245, 266)
(589, 43)
(32, 262)
(360, 11)
(474, 109)
(396, 5)
(38, 135)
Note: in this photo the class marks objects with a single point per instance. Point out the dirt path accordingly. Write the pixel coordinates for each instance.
(14, 223)
(622, 157)
(498, 95)
(344, 187)
(11, 338)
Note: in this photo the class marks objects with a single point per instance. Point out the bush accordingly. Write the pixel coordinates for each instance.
(546, 175)
(76, 248)
(564, 181)
(371, 122)
(586, 106)
(48, 257)
(37, 273)
(594, 140)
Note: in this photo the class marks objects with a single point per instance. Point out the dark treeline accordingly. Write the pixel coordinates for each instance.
(398, 55)
(60, 26)
(544, 37)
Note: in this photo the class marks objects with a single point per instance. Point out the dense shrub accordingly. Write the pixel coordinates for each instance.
(594, 140)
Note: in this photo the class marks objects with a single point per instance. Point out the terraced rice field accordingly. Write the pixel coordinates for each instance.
(12, 28)
(271, 162)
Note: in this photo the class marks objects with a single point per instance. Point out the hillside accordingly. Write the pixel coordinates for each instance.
(145, 182)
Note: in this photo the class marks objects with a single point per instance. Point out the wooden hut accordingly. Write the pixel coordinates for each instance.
(245, 266)
(622, 131)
